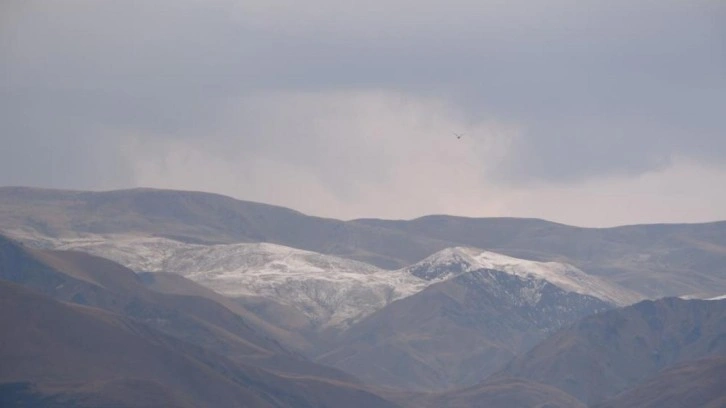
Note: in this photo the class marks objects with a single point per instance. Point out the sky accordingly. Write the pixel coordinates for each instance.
(587, 112)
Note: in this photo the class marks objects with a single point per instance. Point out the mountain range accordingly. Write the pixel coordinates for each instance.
(272, 307)
(656, 260)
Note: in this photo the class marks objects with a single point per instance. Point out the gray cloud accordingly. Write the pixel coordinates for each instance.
(101, 94)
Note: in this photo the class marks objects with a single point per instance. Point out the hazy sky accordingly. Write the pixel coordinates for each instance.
(580, 111)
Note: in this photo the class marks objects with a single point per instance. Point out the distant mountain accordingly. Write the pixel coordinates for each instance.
(468, 323)
(57, 354)
(44, 217)
(605, 354)
(656, 260)
(700, 383)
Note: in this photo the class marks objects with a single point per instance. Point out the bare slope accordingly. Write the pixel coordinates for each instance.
(605, 354)
(700, 383)
(506, 393)
(76, 353)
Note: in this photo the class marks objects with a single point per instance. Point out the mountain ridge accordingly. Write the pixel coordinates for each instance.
(332, 292)
(650, 259)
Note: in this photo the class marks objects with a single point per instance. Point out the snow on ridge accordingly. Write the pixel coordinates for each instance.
(701, 296)
(330, 291)
(562, 275)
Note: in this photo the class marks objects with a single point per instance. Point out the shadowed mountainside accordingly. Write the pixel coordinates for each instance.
(605, 354)
(88, 357)
(700, 383)
(286, 334)
(504, 393)
(456, 332)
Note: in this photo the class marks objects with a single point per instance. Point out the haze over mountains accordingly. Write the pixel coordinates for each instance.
(277, 307)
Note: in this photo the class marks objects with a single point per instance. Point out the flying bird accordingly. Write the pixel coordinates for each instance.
(458, 135)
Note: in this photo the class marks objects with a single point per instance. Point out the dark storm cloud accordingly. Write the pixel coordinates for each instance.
(594, 88)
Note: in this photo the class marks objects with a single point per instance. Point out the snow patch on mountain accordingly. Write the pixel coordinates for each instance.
(330, 291)
(455, 261)
(702, 296)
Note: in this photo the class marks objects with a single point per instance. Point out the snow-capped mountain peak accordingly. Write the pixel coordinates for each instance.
(444, 264)
(456, 261)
